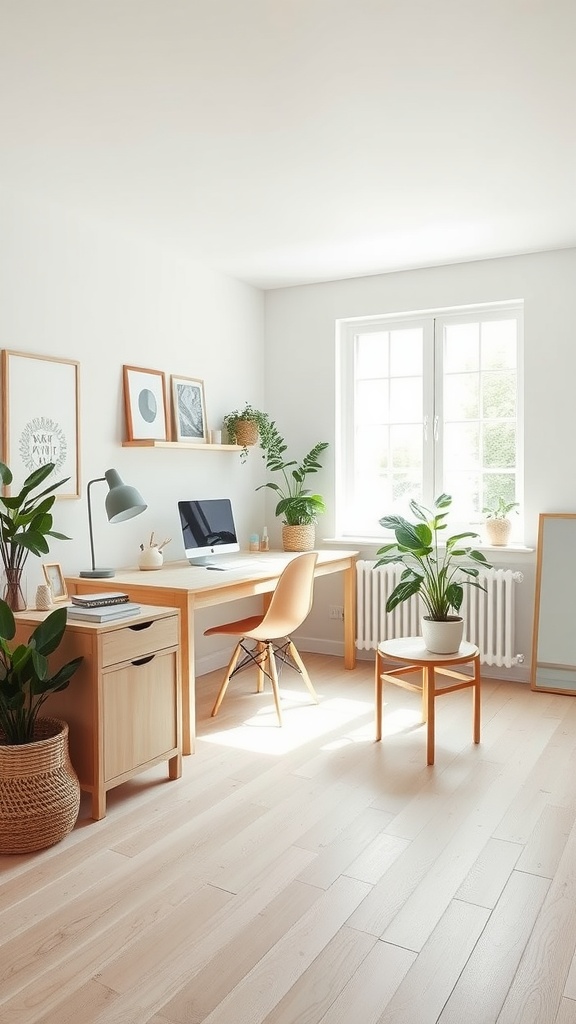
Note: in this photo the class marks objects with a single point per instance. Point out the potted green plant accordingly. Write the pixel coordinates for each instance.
(434, 569)
(298, 506)
(25, 523)
(244, 426)
(39, 790)
(497, 524)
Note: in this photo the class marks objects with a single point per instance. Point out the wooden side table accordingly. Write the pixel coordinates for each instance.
(124, 704)
(410, 650)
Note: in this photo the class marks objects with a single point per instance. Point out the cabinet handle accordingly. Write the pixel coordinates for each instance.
(144, 661)
(141, 625)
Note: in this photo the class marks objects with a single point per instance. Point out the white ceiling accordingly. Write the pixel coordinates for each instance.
(291, 141)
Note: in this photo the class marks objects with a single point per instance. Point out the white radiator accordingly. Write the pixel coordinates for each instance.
(488, 617)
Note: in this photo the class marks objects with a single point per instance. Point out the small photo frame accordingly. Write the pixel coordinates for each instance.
(189, 409)
(55, 580)
(145, 404)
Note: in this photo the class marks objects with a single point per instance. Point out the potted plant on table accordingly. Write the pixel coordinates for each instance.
(25, 523)
(244, 426)
(39, 790)
(298, 506)
(435, 568)
(497, 523)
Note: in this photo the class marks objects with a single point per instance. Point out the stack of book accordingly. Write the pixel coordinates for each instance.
(101, 607)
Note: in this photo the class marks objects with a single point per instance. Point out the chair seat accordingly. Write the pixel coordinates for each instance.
(239, 628)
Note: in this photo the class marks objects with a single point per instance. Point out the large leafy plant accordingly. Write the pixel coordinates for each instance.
(436, 568)
(25, 518)
(25, 680)
(297, 505)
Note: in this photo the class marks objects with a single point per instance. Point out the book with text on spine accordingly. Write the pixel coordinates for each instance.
(120, 611)
(98, 600)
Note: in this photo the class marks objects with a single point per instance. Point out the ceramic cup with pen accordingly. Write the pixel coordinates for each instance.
(151, 557)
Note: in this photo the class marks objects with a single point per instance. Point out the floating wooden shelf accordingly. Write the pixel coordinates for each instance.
(183, 444)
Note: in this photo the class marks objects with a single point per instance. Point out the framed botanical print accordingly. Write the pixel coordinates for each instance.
(41, 418)
(189, 409)
(145, 404)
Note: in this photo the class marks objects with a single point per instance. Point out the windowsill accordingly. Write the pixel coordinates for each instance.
(379, 542)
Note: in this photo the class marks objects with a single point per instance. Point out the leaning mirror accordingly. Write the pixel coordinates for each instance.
(554, 639)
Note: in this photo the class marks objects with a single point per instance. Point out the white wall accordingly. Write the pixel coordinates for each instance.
(82, 290)
(300, 353)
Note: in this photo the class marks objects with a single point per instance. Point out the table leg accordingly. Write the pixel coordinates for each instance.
(378, 696)
(428, 684)
(350, 617)
(477, 699)
(186, 606)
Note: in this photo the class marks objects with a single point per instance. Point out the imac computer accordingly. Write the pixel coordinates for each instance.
(208, 531)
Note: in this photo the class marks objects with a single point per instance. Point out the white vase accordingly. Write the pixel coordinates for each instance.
(150, 558)
(443, 637)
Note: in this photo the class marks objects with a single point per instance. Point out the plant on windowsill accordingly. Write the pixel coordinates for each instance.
(244, 426)
(39, 790)
(434, 569)
(497, 524)
(298, 506)
(25, 523)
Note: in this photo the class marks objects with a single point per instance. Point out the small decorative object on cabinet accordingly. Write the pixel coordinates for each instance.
(298, 507)
(434, 570)
(125, 712)
(245, 426)
(497, 524)
(39, 790)
(25, 524)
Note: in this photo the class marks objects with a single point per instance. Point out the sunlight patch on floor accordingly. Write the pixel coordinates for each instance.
(302, 722)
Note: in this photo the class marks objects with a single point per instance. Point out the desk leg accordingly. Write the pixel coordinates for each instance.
(477, 699)
(350, 617)
(378, 696)
(188, 673)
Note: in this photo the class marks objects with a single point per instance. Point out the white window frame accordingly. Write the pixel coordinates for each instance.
(432, 321)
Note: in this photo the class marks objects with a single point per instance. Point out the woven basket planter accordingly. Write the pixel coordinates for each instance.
(497, 531)
(246, 433)
(299, 538)
(39, 790)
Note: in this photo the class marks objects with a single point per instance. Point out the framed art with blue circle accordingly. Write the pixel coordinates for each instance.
(145, 404)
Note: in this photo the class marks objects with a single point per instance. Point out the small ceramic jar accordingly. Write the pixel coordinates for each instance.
(151, 558)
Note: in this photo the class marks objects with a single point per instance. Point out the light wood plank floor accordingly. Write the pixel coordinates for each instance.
(310, 875)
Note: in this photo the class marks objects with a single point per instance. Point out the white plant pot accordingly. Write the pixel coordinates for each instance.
(497, 531)
(442, 637)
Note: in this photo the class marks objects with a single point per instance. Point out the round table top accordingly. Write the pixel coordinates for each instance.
(412, 649)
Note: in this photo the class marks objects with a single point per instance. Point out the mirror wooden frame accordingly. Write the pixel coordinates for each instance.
(553, 620)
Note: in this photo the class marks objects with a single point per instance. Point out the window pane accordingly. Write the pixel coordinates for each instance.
(406, 352)
(406, 400)
(462, 396)
(498, 485)
(462, 446)
(499, 443)
(372, 401)
(461, 347)
(465, 490)
(499, 395)
(499, 345)
(372, 354)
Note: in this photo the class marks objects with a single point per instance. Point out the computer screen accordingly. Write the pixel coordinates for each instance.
(208, 529)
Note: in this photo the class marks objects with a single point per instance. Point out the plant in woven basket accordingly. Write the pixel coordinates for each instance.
(25, 523)
(25, 680)
(245, 426)
(297, 505)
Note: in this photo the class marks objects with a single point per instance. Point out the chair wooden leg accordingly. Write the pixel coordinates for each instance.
(303, 670)
(260, 651)
(224, 686)
(378, 696)
(274, 680)
(477, 699)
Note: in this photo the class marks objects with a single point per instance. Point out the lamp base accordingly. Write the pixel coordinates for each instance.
(97, 574)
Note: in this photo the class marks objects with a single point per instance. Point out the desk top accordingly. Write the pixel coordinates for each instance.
(193, 579)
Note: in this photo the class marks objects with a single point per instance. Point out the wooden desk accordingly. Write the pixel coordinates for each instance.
(186, 587)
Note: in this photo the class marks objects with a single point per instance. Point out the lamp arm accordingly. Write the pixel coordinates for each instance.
(97, 480)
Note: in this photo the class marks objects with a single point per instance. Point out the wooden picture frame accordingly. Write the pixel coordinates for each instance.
(145, 404)
(41, 418)
(189, 409)
(55, 579)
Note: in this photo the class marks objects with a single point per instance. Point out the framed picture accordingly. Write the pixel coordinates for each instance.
(145, 404)
(55, 580)
(189, 409)
(41, 418)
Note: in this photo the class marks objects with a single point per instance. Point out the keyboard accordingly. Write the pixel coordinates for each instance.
(227, 566)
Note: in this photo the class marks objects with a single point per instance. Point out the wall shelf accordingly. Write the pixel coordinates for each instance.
(183, 444)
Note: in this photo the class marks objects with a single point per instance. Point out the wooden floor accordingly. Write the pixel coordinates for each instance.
(311, 875)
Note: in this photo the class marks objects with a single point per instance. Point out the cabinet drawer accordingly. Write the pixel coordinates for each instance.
(138, 640)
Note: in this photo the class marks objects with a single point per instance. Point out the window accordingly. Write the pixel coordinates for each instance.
(428, 403)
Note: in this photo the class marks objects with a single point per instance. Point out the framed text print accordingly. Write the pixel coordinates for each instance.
(41, 419)
(145, 404)
(189, 408)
